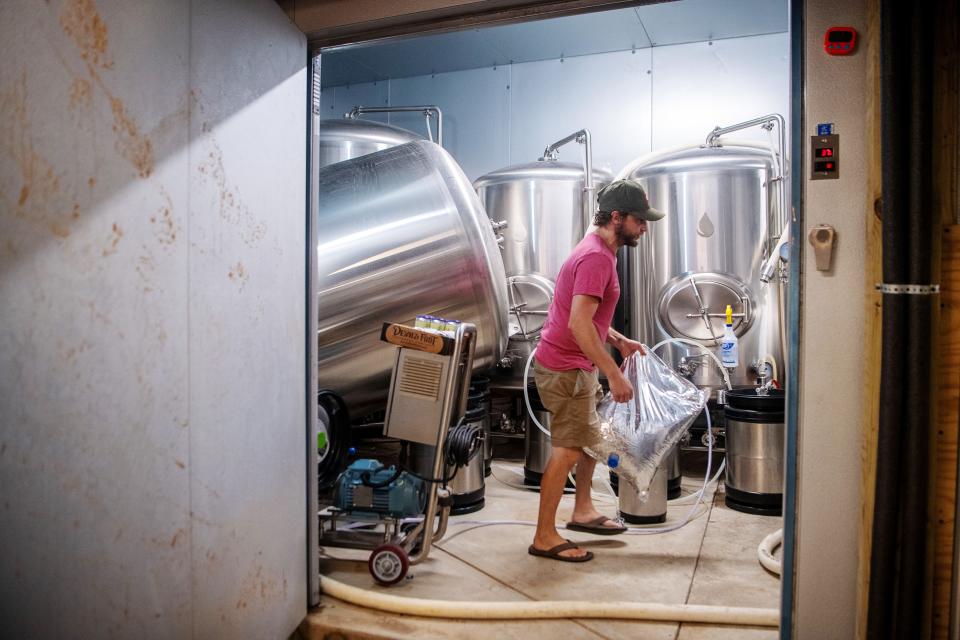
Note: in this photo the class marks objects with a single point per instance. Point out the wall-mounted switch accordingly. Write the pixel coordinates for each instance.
(823, 237)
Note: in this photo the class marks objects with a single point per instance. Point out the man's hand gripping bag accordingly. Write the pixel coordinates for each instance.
(637, 435)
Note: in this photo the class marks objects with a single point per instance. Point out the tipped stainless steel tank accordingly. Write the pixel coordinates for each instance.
(344, 139)
(706, 253)
(542, 205)
(400, 233)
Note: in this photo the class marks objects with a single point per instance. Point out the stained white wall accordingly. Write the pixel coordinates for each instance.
(831, 338)
(152, 403)
(633, 102)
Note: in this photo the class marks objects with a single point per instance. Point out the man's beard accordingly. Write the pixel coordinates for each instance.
(626, 240)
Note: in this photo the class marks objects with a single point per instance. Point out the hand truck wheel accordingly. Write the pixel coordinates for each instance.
(388, 564)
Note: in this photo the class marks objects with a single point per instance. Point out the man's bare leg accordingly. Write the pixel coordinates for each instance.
(583, 507)
(554, 478)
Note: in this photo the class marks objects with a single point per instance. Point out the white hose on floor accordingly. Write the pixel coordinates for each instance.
(686, 499)
(704, 614)
(765, 551)
(691, 515)
(520, 485)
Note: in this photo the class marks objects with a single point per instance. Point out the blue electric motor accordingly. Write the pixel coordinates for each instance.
(368, 486)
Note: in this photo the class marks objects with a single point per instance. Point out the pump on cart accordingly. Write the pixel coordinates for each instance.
(389, 509)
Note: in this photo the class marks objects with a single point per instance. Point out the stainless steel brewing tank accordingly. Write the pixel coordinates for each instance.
(400, 233)
(541, 202)
(705, 253)
(344, 139)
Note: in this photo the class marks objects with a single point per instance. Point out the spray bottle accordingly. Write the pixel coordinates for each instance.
(729, 349)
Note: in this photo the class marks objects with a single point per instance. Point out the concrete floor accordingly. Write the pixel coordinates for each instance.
(712, 560)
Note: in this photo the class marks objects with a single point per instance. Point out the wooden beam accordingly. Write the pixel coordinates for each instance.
(946, 176)
(873, 318)
(329, 23)
(948, 405)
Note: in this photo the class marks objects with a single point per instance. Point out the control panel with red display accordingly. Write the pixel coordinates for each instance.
(825, 152)
(840, 41)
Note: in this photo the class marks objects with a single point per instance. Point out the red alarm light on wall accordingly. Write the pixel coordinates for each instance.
(840, 41)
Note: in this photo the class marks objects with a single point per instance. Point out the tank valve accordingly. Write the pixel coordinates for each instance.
(689, 364)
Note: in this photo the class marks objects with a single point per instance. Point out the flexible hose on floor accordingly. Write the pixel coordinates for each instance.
(562, 609)
(765, 551)
(547, 609)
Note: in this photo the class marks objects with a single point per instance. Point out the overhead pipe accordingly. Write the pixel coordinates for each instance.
(426, 109)
(898, 605)
(589, 196)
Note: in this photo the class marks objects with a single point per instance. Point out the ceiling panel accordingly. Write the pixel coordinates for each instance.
(602, 32)
(423, 56)
(337, 70)
(701, 20)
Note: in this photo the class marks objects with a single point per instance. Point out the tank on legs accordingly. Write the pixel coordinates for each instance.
(707, 252)
(542, 204)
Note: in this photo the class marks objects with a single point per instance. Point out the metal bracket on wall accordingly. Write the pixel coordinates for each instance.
(909, 289)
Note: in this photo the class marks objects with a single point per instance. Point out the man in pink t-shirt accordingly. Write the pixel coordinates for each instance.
(570, 351)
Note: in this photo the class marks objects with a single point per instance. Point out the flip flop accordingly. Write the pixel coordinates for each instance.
(596, 527)
(554, 552)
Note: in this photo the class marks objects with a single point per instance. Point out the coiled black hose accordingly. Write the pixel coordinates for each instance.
(464, 442)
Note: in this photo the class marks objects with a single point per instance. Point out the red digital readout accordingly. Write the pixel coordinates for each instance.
(826, 152)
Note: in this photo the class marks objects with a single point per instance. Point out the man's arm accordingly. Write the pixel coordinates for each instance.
(582, 311)
(623, 344)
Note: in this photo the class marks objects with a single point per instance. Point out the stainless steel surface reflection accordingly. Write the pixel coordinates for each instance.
(541, 202)
(400, 233)
(652, 507)
(705, 253)
(537, 446)
(755, 456)
(466, 481)
(339, 140)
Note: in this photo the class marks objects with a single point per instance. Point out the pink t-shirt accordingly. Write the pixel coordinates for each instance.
(591, 269)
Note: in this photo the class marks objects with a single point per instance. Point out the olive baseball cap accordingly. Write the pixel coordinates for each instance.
(626, 196)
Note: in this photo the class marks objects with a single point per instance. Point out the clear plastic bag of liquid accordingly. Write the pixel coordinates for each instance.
(637, 435)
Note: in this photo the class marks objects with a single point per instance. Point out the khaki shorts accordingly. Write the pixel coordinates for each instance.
(571, 397)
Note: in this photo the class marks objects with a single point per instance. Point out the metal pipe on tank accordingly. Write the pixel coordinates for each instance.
(426, 109)
(340, 139)
(766, 122)
(589, 189)
(773, 117)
